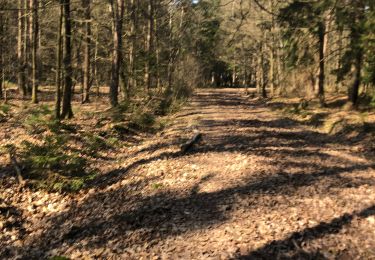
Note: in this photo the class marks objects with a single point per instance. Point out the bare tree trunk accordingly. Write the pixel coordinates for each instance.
(67, 111)
(157, 53)
(34, 43)
(356, 33)
(149, 45)
(357, 77)
(59, 54)
(171, 56)
(20, 53)
(87, 52)
(117, 8)
(27, 46)
(338, 83)
(263, 73)
(321, 75)
(132, 82)
(272, 53)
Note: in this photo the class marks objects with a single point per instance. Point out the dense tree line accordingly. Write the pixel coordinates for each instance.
(169, 46)
(131, 46)
(305, 47)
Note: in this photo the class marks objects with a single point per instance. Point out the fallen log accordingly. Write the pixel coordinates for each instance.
(190, 144)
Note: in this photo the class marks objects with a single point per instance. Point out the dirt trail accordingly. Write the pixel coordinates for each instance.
(259, 186)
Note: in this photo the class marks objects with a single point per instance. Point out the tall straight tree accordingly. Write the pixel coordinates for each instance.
(117, 11)
(59, 53)
(132, 82)
(34, 25)
(311, 17)
(150, 45)
(26, 46)
(67, 111)
(20, 49)
(87, 52)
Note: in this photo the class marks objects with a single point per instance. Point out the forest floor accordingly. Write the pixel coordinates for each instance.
(263, 183)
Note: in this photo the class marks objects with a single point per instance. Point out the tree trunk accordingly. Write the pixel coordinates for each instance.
(34, 43)
(356, 33)
(149, 45)
(27, 42)
(117, 9)
(20, 53)
(272, 68)
(263, 73)
(357, 78)
(321, 75)
(338, 83)
(68, 72)
(58, 65)
(170, 53)
(87, 52)
(132, 82)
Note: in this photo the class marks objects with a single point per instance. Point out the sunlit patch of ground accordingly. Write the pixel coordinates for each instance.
(260, 185)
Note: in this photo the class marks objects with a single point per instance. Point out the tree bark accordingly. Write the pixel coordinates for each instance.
(27, 46)
(321, 75)
(34, 55)
(117, 9)
(149, 45)
(87, 52)
(58, 65)
(68, 72)
(357, 77)
(20, 53)
(132, 82)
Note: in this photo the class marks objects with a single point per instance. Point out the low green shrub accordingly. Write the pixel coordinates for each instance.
(53, 166)
(94, 143)
(142, 120)
(4, 109)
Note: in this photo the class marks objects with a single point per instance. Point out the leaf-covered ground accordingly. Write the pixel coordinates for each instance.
(260, 185)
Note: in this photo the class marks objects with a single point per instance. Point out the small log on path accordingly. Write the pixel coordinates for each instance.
(190, 144)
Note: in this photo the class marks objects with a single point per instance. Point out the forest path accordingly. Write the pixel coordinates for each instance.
(258, 186)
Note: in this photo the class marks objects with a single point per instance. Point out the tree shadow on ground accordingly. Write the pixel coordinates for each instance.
(116, 213)
(146, 219)
(291, 247)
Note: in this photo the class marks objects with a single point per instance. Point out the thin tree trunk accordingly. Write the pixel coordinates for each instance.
(157, 53)
(34, 36)
(58, 65)
(132, 82)
(263, 73)
(272, 53)
(357, 78)
(30, 45)
(170, 58)
(27, 41)
(149, 45)
(117, 8)
(321, 75)
(356, 33)
(68, 72)
(87, 52)
(20, 53)
(338, 83)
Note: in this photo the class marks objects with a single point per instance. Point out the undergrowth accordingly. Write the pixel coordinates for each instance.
(51, 165)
